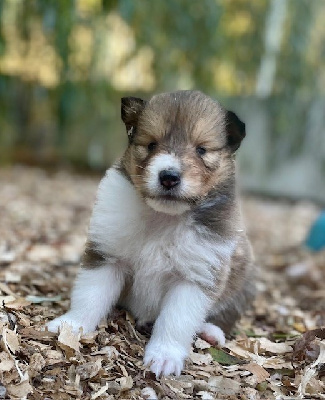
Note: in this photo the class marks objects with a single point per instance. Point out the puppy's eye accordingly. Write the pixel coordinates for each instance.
(152, 146)
(201, 150)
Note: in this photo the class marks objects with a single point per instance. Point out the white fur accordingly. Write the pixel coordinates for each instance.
(168, 207)
(182, 313)
(169, 259)
(157, 164)
(95, 293)
(214, 333)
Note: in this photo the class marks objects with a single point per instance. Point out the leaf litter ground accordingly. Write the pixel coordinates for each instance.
(277, 351)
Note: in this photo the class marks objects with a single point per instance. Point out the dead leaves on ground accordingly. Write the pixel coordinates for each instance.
(276, 352)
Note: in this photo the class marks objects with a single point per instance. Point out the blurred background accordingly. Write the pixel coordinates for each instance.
(65, 64)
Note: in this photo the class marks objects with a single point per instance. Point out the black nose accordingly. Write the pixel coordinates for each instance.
(169, 178)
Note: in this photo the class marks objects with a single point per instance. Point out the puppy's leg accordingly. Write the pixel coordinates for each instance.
(183, 312)
(95, 292)
(212, 334)
(228, 310)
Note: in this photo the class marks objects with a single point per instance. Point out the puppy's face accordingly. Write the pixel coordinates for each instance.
(181, 148)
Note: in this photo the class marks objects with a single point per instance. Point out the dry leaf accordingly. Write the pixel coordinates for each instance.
(304, 348)
(201, 344)
(41, 299)
(149, 394)
(51, 231)
(201, 359)
(21, 390)
(260, 373)
(88, 370)
(42, 252)
(276, 348)
(126, 383)
(6, 289)
(100, 392)
(11, 277)
(67, 340)
(6, 362)
(37, 362)
(30, 332)
(224, 386)
(17, 304)
(311, 370)
(205, 395)
(10, 339)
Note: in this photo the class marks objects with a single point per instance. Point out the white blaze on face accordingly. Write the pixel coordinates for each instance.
(160, 163)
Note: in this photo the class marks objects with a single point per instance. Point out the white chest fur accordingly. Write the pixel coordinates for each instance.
(156, 248)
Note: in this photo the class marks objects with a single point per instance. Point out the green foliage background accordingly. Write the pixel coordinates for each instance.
(64, 64)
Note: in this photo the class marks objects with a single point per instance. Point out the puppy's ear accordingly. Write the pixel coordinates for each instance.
(235, 130)
(131, 108)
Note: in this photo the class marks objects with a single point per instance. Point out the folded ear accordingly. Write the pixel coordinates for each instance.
(235, 130)
(131, 108)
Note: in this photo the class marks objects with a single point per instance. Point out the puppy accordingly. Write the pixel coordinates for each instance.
(166, 240)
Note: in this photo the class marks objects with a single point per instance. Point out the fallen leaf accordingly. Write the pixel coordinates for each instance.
(311, 370)
(275, 362)
(201, 344)
(262, 386)
(6, 289)
(260, 372)
(35, 223)
(149, 394)
(68, 341)
(205, 395)
(100, 392)
(36, 362)
(10, 339)
(17, 303)
(224, 358)
(6, 362)
(200, 359)
(41, 299)
(126, 383)
(12, 277)
(21, 390)
(42, 252)
(225, 386)
(272, 347)
(89, 369)
(304, 349)
(53, 357)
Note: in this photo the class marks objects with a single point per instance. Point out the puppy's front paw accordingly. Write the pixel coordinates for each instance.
(213, 334)
(164, 359)
(72, 320)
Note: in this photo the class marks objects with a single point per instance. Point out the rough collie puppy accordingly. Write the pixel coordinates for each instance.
(166, 240)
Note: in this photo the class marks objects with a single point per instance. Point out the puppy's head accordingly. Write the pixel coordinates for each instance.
(181, 148)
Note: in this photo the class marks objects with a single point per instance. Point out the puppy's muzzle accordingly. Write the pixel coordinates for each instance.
(169, 178)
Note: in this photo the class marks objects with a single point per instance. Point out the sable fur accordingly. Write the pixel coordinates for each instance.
(179, 258)
(175, 120)
(92, 258)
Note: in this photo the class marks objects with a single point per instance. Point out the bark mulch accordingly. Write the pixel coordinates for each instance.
(277, 351)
